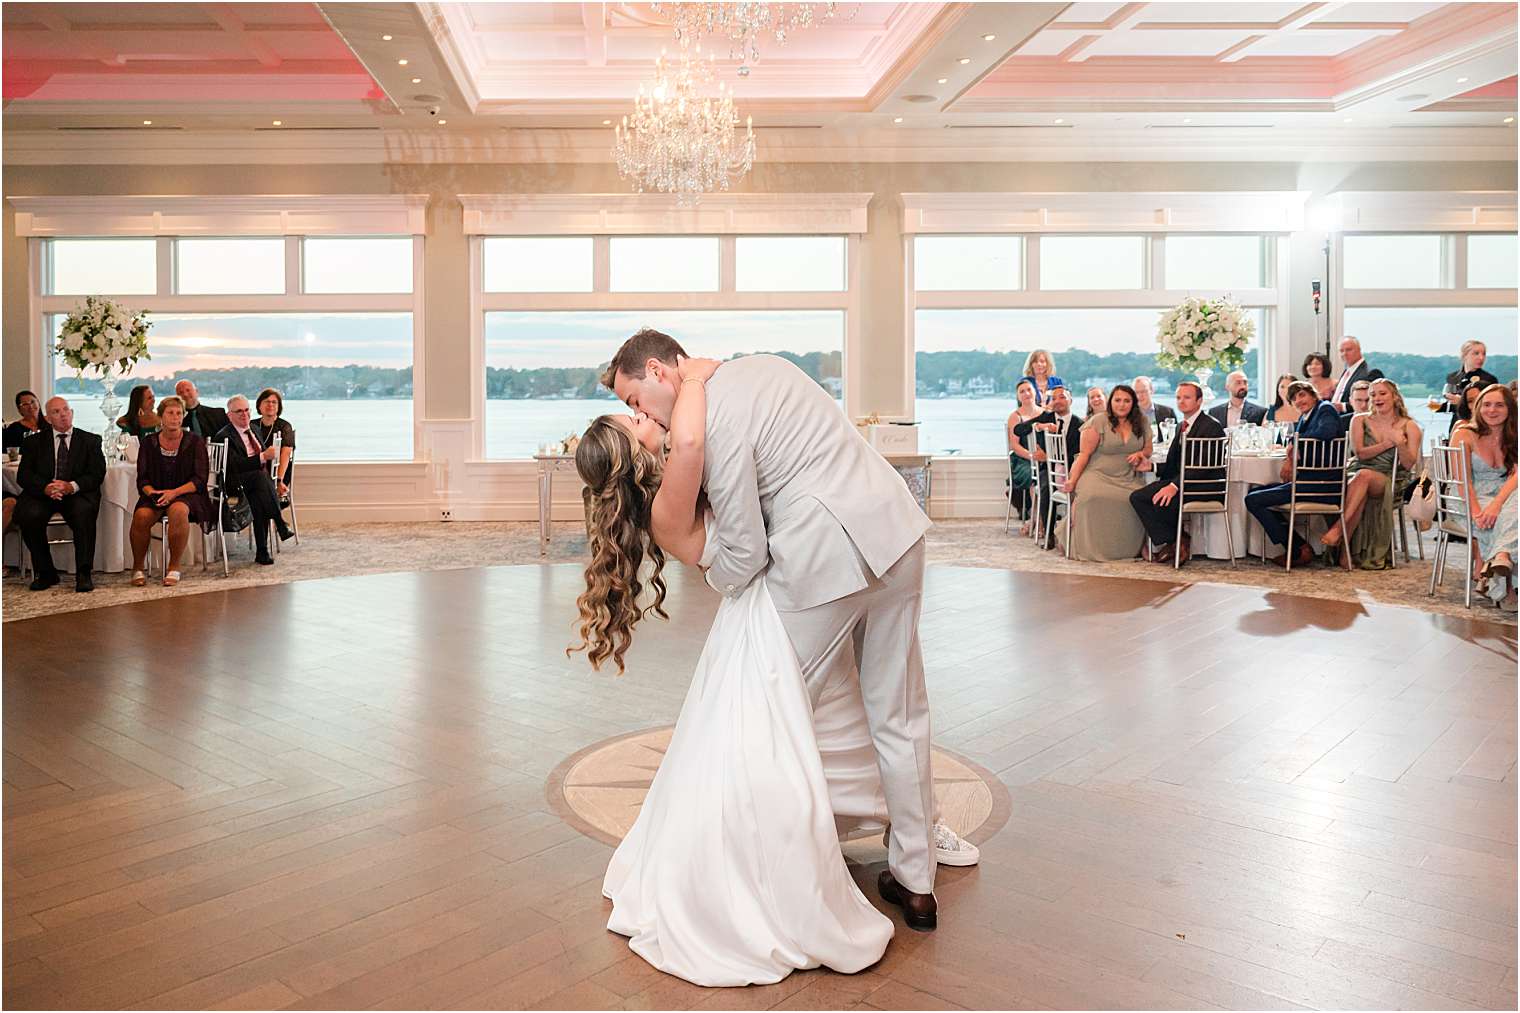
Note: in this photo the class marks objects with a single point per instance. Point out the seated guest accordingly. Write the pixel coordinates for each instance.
(248, 475)
(1490, 444)
(1096, 400)
(140, 419)
(1040, 370)
(1357, 368)
(1474, 355)
(1361, 404)
(1156, 505)
(1115, 448)
(1237, 409)
(1316, 370)
(1468, 401)
(1155, 412)
(1378, 437)
(172, 471)
(1021, 451)
(270, 406)
(30, 422)
(204, 420)
(1283, 409)
(1318, 420)
(12, 491)
(61, 472)
(1058, 423)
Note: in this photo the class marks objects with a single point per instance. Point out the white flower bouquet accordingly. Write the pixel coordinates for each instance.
(101, 336)
(1203, 334)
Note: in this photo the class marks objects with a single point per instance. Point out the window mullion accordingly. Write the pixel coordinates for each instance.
(163, 252)
(1456, 260)
(727, 264)
(293, 251)
(1156, 276)
(601, 264)
(1031, 260)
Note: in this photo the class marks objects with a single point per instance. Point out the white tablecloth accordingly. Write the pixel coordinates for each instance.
(1209, 535)
(113, 527)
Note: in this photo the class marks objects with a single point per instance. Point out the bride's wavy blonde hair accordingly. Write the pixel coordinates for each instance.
(621, 481)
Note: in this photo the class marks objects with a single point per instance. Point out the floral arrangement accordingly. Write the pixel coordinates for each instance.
(1204, 333)
(102, 335)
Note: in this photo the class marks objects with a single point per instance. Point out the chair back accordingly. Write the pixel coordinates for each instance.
(216, 458)
(1448, 472)
(1205, 468)
(1319, 470)
(1058, 458)
(274, 465)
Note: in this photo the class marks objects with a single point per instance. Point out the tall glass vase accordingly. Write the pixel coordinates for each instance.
(110, 407)
(1204, 375)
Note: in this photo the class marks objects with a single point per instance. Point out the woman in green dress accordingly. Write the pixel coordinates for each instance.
(140, 420)
(1115, 452)
(1378, 438)
(1021, 452)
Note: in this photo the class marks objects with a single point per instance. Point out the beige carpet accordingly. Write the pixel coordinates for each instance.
(340, 550)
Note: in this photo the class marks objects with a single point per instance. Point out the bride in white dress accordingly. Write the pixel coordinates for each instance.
(732, 873)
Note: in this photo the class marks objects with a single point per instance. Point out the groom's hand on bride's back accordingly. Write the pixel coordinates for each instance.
(695, 368)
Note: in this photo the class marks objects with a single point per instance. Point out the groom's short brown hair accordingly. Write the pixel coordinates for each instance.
(645, 345)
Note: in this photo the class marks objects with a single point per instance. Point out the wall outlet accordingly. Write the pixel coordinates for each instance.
(445, 515)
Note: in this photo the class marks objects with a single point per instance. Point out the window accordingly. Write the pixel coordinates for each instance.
(1491, 261)
(1385, 261)
(665, 264)
(229, 266)
(790, 264)
(542, 368)
(1215, 262)
(346, 377)
(356, 264)
(968, 263)
(537, 264)
(101, 267)
(1092, 262)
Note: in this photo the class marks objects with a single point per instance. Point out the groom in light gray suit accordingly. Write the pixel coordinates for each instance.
(797, 495)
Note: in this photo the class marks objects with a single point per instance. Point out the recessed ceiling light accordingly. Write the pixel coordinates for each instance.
(1059, 120)
(385, 38)
(416, 80)
(1509, 119)
(965, 60)
(942, 80)
(147, 123)
(606, 123)
(277, 122)
(402, 62)
(443, 123)
(988, 37)
(897, 119)
(1187, 119)
(1461, 80)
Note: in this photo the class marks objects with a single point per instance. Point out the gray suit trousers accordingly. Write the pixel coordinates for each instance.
(875, 631)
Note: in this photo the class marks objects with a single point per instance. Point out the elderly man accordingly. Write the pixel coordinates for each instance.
(1153, 411)
(203, 420)
(61, 472)
(1237, 409)
(248, 474)
(1357, 368)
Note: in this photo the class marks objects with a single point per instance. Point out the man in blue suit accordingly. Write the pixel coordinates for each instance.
(1318, 421)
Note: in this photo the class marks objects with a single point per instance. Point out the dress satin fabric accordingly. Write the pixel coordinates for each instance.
(732, 873)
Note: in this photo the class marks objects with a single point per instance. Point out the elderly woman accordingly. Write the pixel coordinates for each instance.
(270, 423)
(1040, 370)
(140, 419)
(172, 470)
(30, 422)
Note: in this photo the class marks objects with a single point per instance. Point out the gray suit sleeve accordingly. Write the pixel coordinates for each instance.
(741, 550)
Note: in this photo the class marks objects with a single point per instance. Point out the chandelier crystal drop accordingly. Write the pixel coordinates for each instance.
(681, 138)
(743, 24)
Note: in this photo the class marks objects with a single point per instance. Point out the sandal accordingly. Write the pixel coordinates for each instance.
(139, 579)
(171, 578)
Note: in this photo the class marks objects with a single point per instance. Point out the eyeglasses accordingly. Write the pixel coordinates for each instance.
(237, 411)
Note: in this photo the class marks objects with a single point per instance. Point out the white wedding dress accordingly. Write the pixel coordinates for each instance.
(732, 873)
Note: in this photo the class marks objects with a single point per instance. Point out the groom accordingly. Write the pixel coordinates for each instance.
(797, 495)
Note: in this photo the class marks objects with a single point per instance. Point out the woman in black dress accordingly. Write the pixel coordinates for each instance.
(30, 422)
(270, 407)
(172, 470)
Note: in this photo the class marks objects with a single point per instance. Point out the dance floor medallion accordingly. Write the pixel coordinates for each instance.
(599, 790)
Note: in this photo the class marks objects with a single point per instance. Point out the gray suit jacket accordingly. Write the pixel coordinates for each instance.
(796, 493)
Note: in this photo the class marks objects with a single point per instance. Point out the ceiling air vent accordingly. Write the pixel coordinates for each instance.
(1009, 126)
(103, 129)
(325, 130)
(1209, 126)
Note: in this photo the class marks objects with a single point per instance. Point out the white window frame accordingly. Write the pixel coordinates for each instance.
(1272, 215)
(41, 219)
(605, 216)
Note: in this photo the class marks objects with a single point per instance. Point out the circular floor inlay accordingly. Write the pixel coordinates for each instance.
(599, 790)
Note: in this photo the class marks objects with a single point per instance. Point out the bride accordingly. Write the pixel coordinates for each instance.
(732, 873)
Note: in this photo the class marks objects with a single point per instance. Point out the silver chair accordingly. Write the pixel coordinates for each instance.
(1195, 493)
(27, 569)
(1449, 472)
(215, 456)
(1401, 523)
(1314, 492)
(1060, 469)
(288, 500)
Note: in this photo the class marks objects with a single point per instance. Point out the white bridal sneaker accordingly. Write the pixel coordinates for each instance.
(950, 848)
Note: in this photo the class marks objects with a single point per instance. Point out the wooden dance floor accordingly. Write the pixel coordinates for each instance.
(337, 794)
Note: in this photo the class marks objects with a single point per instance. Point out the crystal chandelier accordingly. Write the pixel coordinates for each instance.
(743, 24)
(680, 139)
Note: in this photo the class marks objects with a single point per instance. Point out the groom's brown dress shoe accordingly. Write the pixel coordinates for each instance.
(919, 909)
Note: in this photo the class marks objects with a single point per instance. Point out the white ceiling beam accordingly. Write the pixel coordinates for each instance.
(233, 25)
(594, 22)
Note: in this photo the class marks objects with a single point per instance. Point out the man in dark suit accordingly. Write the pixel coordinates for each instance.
(1357, 368)
(1157, 504)
(248, 475)
(203, 420)
(1057, 422)
(1318, 420)
(1237, 410)
(61, 471)
(1143, 397)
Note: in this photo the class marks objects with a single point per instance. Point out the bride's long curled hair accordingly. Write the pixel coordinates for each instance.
(621, 479)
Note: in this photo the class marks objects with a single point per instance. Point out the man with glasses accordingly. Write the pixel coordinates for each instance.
(248, 473)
